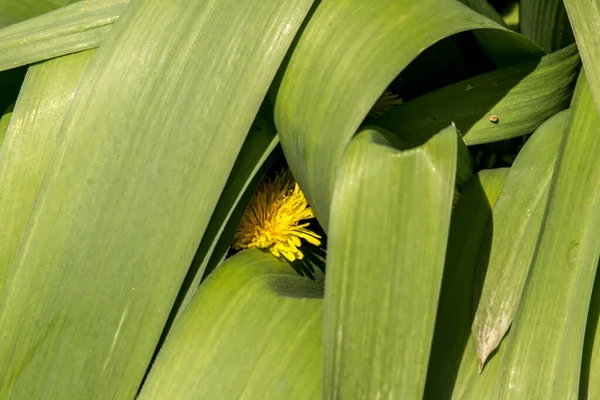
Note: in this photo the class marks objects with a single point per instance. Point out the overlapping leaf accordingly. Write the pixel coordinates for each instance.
(347, 55)
(43, 102)
(468, 238)
(248, 170)
(144, 153)
(517, 220)
(545, 362)
(522, 97)
(388, 234)
(240, 338)
(67, 30)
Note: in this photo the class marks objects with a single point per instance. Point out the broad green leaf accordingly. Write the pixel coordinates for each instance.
(67, 30)
(522, 97)
(240, 338)
(46, 94)
(347, 55)
(585, 20)
(4, 121)
(250, 165)
(590, 365)
(467, 239)
(143, 156)
(517, 220)
(12, 11)
(546, 23)
(387, 242)
(544, 348)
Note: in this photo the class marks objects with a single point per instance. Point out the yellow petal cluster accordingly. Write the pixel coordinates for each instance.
(272, 219)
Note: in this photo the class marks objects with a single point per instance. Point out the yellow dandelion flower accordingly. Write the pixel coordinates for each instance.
(384, 103)
(272, 218)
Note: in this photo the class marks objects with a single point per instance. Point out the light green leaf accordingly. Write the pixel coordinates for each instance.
(30, 141)
(544, 348)
(388, 234)
(241, 339)
(517, 220)
(347, 55)
(144, 154)
(585, 20)
(522, 97)
(546, 23)
(251, 163)
(590, 364)
(67, 30)
(467, 239)
(12, 11)
(4, 121)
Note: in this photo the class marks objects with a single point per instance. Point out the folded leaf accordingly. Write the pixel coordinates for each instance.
(239, 338)
(347, 55)
(387, 242)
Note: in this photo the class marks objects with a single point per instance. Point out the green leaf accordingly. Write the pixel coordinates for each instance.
(544, 348)
(12, 11)
(585, 20)
(240, 339)
(144, 153)
(4, 121)
(67, 30)
(590, 365)
(347, 55)
(251, 163)
(46, 94)
(517, 221)
(522, 97)
(546, 23)
(468, 238)
(388, 233)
